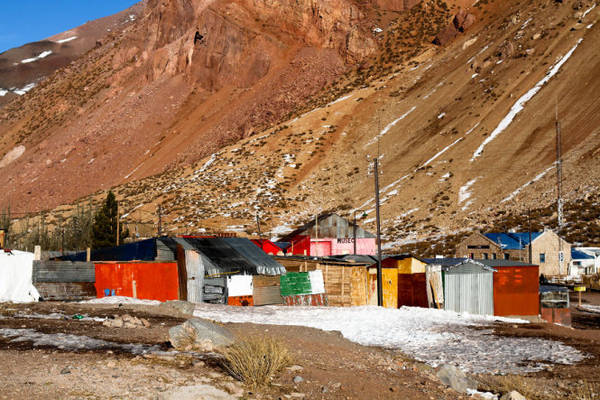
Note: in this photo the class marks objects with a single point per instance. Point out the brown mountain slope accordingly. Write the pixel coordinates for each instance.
(152, 95)
(24, 67)
(461, 130)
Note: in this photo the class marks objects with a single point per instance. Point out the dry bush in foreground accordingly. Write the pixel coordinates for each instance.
(255, 361)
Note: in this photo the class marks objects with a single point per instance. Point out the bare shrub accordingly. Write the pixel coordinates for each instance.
(255, 361)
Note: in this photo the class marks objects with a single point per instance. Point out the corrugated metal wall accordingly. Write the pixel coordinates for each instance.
(63, 271)
(469, 288)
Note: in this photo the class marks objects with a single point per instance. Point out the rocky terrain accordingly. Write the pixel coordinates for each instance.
(281, 107)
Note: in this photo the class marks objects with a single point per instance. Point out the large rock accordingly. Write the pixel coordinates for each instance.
(183, 307)
(455, 378)
(463, 20)
(514, 395)
(200, 335)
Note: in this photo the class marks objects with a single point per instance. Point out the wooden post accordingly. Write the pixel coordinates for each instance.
(134, 287)
(37, 252)
(579, 296)
(88, 255)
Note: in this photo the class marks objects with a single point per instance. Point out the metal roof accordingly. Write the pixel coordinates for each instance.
(552, 288)
(512, 241)
(264, 264)
(505, 263)
(331, 225)
(580, 255)
(445, 261)
(449, 264)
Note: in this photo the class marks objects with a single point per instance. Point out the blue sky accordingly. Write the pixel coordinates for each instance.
(24, 21)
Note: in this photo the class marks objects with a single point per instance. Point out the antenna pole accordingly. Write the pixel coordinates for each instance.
(559, 201)
(258, 226)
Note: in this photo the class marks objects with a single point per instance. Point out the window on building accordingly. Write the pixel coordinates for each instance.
(542, 257)
(485, 256)
(506, 256)
(494, 256)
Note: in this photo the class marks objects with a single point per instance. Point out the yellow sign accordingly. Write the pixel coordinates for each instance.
(580, 288)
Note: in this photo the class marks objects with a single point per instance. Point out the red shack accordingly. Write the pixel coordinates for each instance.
(516, 287)
(143, 279)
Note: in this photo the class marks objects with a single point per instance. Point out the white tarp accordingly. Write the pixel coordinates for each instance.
(15, 277)
(316, 281)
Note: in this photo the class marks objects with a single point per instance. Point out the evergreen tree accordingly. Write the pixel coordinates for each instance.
(104, 229)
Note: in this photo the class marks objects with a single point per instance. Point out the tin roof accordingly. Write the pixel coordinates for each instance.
(512, 241)
(331, 225)
(580, 255)
(505, 263)
(265, 265)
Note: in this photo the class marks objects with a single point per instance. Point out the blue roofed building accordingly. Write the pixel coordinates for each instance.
(546, 249)
(584, 261)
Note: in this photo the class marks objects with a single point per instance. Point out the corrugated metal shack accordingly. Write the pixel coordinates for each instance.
(202, 265)
(330, 234)
(468, 285)
(64, 280)
(516, 287)
(345, 279)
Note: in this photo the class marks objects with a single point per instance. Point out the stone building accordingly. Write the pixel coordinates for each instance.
(550, 252)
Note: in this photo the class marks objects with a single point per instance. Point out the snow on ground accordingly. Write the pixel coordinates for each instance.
(537, 178)
(121, 300)
(54, 316)
(43, 54)
(590, 308)
(67, 39)
(588, 11)
(24, 89)
(432, 336)
(390, 126)
(66, 341)
(3, 92)
(439, 153)
(340, 99)
(520, 103)
(464, 193)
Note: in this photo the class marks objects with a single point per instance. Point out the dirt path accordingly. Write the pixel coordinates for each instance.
(331, 367)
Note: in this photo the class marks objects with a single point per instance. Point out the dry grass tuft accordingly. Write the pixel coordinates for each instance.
(255, 361)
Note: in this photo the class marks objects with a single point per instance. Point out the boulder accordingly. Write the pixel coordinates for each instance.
(463, 20)
(455, 378)
(446, 35)
(514, 395)
(183, 307)
(200, 335)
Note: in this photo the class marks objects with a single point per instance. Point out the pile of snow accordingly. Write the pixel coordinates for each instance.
(122, 300)
(15, 277)
(432, 336)
(590, 308)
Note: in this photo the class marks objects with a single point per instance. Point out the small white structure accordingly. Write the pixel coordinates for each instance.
(15, 277)
(584, 261)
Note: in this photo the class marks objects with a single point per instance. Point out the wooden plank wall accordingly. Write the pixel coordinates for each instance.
(345, 284)
(64, 280)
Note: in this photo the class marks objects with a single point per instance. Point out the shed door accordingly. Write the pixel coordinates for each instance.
(195, 276)
(469, 292)
(321, 249)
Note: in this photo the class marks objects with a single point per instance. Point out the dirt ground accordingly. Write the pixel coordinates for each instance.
(331, 367)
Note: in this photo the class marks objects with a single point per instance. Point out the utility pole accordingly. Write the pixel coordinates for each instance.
(379, 283)
(354, 232)
(159, 212)
(258, 226)
(317, 234)
(559, 204)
